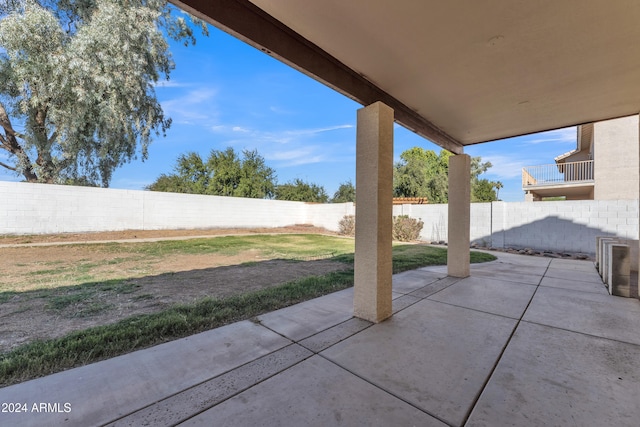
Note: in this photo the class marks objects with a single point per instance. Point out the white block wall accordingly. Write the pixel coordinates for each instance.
(328, 215)
(435, 219)
(569, 226)
(43, 208)
(562, 226)
(171, 210)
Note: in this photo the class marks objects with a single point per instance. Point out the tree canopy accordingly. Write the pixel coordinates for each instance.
(224, 173)
(302, 191)
(77, 80)
(346, 193)
(420, 173)
(423, 173)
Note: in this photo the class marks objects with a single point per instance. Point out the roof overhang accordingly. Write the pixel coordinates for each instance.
(583, 142)
(457, 73)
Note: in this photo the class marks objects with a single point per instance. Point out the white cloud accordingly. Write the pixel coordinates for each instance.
(296, 157)
(505, 167)
(318, 130)
(196, 107)
(558, 135)
(289, 147)
(239, 129)
(282, 111)
(171, 83)
(279, 137)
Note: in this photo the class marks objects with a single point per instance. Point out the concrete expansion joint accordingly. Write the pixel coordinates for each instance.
(228, 384)
(573, 331)
(504, 348)
(419, 293)
(389, 392)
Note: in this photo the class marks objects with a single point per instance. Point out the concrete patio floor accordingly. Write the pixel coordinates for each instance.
(523, 341)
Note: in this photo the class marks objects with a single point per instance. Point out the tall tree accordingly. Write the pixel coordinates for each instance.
(346, 193)
(498, 186)
(423, 173)
(482, 190)
(225, 173)
(301, 191)
(77, 82)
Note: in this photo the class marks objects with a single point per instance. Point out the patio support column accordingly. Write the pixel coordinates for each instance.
(374, 210)
(458, 255)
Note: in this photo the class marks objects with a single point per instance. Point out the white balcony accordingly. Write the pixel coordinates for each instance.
(573, 180)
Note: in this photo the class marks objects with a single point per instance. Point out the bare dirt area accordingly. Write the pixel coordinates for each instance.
(153, 234)
(46, 309)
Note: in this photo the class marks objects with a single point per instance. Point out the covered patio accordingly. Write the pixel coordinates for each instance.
(523, 341)
(519, 341)
(457, 73)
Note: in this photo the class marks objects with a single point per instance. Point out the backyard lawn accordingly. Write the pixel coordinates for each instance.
(65, 306)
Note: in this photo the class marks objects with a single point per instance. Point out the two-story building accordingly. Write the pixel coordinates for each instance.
(604, 165)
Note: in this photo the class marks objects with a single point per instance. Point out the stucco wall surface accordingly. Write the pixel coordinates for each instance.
(616, 159)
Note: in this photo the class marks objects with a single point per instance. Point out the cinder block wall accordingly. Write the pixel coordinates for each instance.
(327, 215)
(43, 208)
(569, 226)
(435, 219)
(563, 226)
(170, 210)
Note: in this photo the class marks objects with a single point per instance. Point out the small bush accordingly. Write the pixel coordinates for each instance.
(347, 225)
(406, 229)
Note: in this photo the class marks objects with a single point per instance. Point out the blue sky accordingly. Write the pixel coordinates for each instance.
(224, 93)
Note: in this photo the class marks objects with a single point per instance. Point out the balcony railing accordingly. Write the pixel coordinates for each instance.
(557, 174)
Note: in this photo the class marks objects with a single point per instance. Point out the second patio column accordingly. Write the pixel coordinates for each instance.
(374, 209)
(458, 255)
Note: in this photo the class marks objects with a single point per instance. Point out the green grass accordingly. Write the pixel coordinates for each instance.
(145, 255)
(409, 257)
(6, 296)
(46, 357)
(283, 245)
(61, 302)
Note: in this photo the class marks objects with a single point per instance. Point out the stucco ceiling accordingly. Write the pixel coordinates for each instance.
(457, 72)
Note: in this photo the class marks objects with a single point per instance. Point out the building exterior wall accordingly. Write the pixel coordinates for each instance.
(580, 156)
(616, 168)
(614, 147)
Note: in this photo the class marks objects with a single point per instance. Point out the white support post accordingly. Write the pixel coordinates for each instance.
(458, 255)
(374, 209)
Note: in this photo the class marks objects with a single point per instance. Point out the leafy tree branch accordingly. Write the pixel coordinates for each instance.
(78, 77)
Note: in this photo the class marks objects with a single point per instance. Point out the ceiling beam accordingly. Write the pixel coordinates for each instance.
(247, 22)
